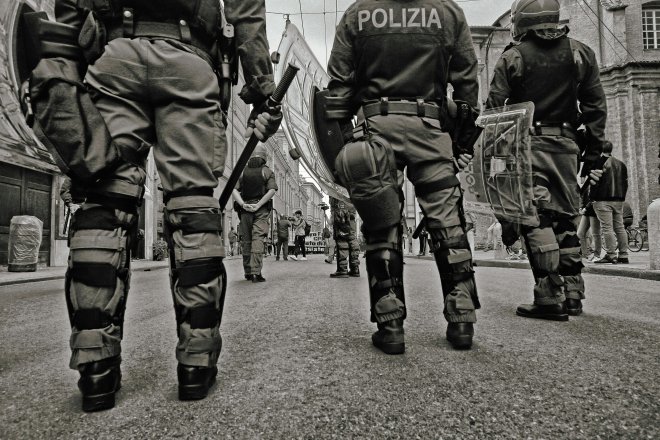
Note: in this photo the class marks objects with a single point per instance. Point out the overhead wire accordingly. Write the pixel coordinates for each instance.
(596, 26)
(609, 30)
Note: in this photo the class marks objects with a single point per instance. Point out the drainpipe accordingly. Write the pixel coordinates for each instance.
(600, 31)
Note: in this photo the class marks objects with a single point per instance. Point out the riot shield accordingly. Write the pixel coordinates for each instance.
(501, 172)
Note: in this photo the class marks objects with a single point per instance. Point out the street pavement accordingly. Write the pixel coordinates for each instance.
(297, 362)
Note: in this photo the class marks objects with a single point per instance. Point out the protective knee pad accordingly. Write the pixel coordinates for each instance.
(454, 261)
(367, 169)
(198, 277)
(97, 281)
(384, 261)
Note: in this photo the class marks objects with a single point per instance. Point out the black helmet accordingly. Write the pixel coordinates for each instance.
(527, 15)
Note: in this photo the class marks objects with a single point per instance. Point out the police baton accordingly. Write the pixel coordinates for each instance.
(274, 100)
(418, 229)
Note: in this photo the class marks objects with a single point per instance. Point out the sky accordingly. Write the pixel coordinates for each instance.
(319, 28)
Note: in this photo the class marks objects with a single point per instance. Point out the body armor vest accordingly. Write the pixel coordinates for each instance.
(203, 16)
(400, 50)
(253, 184)
(549, 80)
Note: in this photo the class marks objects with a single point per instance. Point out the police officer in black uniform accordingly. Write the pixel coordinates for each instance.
(253, 195)
(390, 64)
(152, 70)
(560, 76)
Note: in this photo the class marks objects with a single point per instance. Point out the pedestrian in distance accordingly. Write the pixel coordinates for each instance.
(423, 239)
(608, 195)
(233, 238)
(252, 196)
(560, 76)
(589, 225)
(150, 81)
(282, 244)
(345, 235)
(299, 226)
(393, 73)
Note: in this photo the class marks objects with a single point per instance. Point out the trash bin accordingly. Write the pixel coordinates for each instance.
(24, 242)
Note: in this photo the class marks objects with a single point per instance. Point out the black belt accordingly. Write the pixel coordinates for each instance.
(153, 29)
(412, 108)
(559, 129)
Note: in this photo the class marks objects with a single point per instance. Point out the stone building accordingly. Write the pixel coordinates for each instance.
(314, 213)
(625, 35)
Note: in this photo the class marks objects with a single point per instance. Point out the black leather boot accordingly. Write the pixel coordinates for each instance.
(459, 334)
(553, 312)
(195, 382)
(354, 272)
(339, 274)
(98, 383)
(389, 337)
(573, 306)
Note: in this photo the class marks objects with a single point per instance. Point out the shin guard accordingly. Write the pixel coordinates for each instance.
(454, 261)
(197, 277)
(97, 281)
(384, 260)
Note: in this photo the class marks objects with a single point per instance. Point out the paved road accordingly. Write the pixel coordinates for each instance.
(298, 363)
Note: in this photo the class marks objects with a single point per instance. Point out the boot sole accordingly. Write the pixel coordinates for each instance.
(574, 312)
(547, 316)
(99, 402)
(195, 392)
(390, 347)
(461, 342)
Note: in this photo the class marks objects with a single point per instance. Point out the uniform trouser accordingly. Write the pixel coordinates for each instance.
(153, 93)
(348, 249)
(254, 227)
(553, 247)
(553, 250)
(282, 243)
(425, 151)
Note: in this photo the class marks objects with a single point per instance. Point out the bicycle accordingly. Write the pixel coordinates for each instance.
(637, 237)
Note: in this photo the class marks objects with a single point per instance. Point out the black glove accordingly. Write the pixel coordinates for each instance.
(264, 121)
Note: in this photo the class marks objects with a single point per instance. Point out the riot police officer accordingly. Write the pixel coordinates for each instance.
(152, 69)
(253, 195)
(543, 65)
(390, 64)
(345, 236)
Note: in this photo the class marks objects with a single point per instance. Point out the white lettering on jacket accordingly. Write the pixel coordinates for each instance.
(404, 18)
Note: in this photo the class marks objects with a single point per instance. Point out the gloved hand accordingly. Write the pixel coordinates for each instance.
(594, 176)
(463, 160)
(264, 121)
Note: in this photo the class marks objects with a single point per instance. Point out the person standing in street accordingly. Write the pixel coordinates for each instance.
(253, 195)
(345, 235)
(560, 76)
(150, 76)
(423, 238)
(589, 224)
(283, 226)
(608, 196)
(392, 70)
(233, 237)
(298, 226)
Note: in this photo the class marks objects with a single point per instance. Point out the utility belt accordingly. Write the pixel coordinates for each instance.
(564, 129)
(151, 29)
(418, 107)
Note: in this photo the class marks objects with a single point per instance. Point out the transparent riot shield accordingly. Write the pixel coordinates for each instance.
(501, 173)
